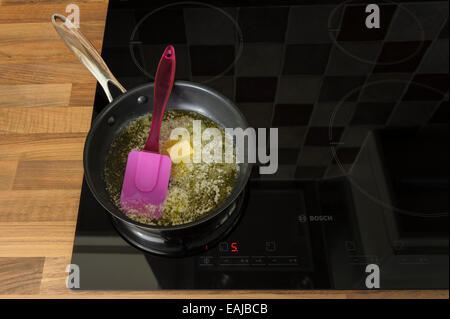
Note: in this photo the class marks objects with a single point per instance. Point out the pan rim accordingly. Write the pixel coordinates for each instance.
(102, 115)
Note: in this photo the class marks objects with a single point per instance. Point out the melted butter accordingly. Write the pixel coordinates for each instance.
(195, 189)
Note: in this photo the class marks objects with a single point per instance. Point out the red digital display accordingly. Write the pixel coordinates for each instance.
(234, 247)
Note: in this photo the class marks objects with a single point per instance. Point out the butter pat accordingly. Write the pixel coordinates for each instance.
(181, 152)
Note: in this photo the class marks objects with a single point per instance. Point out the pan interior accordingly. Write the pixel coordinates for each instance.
(195, 189)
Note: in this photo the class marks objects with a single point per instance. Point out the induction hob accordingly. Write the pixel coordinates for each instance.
(361, 192)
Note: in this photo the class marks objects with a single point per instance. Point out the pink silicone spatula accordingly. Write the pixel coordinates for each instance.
(147, 173)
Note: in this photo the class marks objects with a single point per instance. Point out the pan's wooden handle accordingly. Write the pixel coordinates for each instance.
(86, 52)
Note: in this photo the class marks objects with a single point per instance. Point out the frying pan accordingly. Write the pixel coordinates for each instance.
(166, 240)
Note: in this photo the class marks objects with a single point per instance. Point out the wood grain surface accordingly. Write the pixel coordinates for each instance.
(46, 99)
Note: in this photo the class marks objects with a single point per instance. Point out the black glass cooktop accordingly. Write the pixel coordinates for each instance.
(360, 196)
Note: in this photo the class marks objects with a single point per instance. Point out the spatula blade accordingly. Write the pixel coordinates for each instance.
(145, 184)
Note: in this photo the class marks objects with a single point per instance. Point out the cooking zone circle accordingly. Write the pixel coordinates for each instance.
(172, 240)
(334, 146)
(133, 43)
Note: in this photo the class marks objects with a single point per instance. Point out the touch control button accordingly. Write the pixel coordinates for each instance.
(258, 261)
(271, 246)
(283, 261)
(223, 246)
(206, 260)
(234, 261)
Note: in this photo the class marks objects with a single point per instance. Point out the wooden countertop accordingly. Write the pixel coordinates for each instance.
(46, 99)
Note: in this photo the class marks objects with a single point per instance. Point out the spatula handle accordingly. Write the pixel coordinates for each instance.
(165, 75)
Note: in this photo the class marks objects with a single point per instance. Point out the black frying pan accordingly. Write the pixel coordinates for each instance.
(129, 106)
